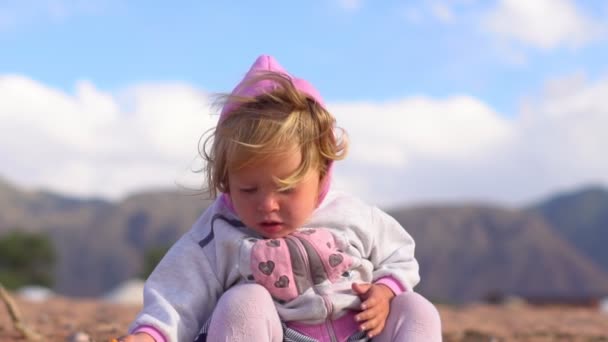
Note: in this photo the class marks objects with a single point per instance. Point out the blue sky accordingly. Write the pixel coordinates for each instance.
(473, 85)
(374, 51)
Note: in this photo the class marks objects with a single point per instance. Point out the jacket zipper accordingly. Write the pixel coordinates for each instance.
(328, 306)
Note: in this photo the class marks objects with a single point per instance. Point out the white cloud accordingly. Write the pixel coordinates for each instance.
(569, 120)
(459, 150)
(414, 149)
(394, 132)
(94, 142)
(545, 24)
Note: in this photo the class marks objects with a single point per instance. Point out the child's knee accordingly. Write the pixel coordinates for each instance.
(416, 307)
(245, 312)
(247, 296)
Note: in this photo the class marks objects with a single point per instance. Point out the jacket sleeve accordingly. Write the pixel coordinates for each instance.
(181, 292)
(391, 250)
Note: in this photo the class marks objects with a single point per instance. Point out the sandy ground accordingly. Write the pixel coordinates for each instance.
(59, 318)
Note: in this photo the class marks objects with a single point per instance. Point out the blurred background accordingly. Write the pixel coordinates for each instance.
(479, 125)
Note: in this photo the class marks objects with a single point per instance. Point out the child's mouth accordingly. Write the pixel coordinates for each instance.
(271, 226)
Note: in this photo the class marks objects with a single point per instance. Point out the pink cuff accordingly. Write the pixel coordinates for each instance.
(152, 331)
(392, 284)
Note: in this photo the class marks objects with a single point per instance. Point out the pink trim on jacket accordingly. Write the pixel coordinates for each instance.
(152, 331)
(392, 284)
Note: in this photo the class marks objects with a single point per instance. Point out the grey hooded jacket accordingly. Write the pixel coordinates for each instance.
(181, 293)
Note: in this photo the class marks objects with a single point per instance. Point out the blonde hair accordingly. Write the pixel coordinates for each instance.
(267, 125)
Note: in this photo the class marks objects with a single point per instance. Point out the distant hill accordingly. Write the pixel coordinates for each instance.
(582, 218)
(99, 243)
(110, 247)
(466, 252)
(469, 252)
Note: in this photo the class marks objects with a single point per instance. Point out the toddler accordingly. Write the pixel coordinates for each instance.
(279, 256)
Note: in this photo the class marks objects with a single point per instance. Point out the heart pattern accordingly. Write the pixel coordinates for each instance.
(283, 282)
(287, 267)
(335, 259)
(266, 267)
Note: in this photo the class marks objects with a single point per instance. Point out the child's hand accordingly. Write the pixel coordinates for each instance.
(139, 337)
(375, 306)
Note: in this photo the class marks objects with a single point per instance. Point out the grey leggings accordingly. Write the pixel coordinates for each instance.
(246, 313)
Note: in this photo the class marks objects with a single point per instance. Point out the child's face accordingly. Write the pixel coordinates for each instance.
(262, 207)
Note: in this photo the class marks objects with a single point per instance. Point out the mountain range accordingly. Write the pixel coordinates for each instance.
(553, 248)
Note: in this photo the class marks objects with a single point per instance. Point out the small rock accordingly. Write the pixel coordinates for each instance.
(79, 337)
(130, 292)
(35, 293)
(604, 305)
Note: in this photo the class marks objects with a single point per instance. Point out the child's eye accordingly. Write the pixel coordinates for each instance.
(248, 190)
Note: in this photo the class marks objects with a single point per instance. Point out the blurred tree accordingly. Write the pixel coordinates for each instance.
(152, 257)
(26, 259)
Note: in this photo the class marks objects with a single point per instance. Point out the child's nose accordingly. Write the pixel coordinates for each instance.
(268, 203)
